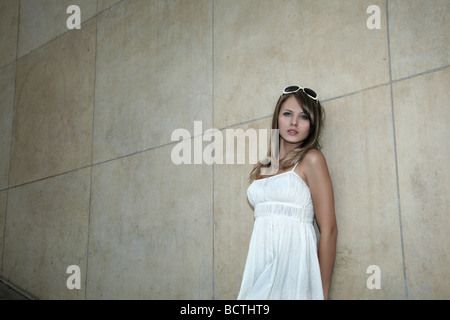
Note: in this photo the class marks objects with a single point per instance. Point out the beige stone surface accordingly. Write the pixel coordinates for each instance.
(52, 126)
(153, 74)
(419, 36)
(260, 47)
(3, 200)
(358, 146)
(46, 232)
(423, 147)
(44, 20)
(8, 30)
(105, 4)
(6, 113)
(150, 229)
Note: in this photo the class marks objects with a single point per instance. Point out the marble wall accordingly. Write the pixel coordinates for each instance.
(86, 176)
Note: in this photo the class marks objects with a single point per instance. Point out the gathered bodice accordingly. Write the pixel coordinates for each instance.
(283, 195)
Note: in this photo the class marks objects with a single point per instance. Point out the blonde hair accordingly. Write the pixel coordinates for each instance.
(313, 109)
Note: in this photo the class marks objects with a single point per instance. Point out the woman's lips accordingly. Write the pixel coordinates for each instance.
(292, 132)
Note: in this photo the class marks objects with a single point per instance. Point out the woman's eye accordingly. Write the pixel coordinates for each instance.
(286, 114)
(304, 117)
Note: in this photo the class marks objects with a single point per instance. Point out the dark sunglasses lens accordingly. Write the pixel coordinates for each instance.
(310, 92)
(291, 89)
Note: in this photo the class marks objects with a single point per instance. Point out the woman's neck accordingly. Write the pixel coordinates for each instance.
(285, 148)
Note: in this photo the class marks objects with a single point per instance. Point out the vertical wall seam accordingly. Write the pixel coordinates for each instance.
(92, 158)
(213, 165)
(10, 143)
(399, 208)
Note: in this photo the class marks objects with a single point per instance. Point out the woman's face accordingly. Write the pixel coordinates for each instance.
(293, 123)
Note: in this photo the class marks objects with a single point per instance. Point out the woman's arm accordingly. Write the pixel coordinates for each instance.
(318, 178)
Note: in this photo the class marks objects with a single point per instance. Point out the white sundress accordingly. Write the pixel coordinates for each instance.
(282, 261)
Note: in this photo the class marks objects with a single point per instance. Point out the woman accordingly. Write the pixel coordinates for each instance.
(283, 261)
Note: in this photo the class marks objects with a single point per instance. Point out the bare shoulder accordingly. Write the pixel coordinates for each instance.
(312, 166)
(315, 165)
(314, 159)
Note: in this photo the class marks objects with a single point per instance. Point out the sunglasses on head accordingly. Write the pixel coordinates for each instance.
(293, 89)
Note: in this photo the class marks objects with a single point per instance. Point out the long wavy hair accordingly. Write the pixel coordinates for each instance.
(316, 114)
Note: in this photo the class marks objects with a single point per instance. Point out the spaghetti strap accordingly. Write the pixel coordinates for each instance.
(295, 166)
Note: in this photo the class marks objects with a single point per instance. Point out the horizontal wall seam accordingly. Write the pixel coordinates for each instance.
(222, 129)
